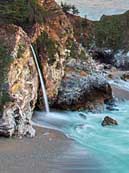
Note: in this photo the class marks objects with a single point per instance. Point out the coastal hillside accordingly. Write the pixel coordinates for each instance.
(107, 38)
(45, 26)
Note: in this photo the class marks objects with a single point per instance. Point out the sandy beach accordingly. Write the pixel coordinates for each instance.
(49, 152)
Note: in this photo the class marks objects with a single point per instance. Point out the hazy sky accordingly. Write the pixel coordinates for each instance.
(94, 9)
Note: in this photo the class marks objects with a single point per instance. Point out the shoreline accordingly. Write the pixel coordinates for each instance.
(49, 152)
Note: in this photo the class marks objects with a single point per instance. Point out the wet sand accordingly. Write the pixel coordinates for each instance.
(49, 152)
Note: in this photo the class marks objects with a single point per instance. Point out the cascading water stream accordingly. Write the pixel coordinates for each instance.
(41, 81)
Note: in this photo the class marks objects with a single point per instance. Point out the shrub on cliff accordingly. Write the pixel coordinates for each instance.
(66, 7)
(75, 11)
(46, 44)
(4, 63)
(69, 8)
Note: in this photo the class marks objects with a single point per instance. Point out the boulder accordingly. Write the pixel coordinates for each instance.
(83, 92)
(18, 82)
(103, 55)
(109, 121)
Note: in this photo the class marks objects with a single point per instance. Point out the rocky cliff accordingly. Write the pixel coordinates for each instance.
(18, 82)
(49, 31)
(51, 46)
(60, 54)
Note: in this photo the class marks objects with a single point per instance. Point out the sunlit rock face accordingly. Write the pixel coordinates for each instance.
(49, 31)
(18, 82)
(50, 41)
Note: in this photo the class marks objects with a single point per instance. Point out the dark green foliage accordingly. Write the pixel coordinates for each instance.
(5, 61)
(66, 7)
(45, 45)
(72, 46)
(75, 11)
(21, 12)
(75, 52)
(109, 33)
(69, 8)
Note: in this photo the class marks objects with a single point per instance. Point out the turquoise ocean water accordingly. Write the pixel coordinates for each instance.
(110, 145)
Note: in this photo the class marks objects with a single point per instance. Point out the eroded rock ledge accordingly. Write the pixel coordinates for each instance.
(18, 82)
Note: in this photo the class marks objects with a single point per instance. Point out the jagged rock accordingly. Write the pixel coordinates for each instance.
(103, 55)
(18, 82)
(6, 130)
(109, 121)
(83, 92)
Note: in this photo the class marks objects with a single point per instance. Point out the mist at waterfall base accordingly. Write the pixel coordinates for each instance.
(110, 144)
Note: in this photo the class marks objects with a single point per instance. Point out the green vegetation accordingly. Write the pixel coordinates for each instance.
(75, 11)
(21, 50)
(75, 52)
(22, 12)
(45, 45)
(111, 31)
(71, 45)
(5, 61)
(69, 8)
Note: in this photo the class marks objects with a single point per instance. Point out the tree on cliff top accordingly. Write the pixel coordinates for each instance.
(75, 11)
(67, 8)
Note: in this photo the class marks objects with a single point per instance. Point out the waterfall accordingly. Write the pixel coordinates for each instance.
(41, 81)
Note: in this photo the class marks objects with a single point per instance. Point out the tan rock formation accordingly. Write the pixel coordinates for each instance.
(19, 82)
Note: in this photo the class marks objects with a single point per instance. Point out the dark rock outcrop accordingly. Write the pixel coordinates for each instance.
(105, 56)
(109, 121)
(79, 92)
(18, 82)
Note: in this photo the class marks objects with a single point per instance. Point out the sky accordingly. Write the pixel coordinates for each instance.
(94, 9)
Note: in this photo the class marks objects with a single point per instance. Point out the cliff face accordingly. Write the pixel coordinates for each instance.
(18, 82)
(49, 31)
(51, 47)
